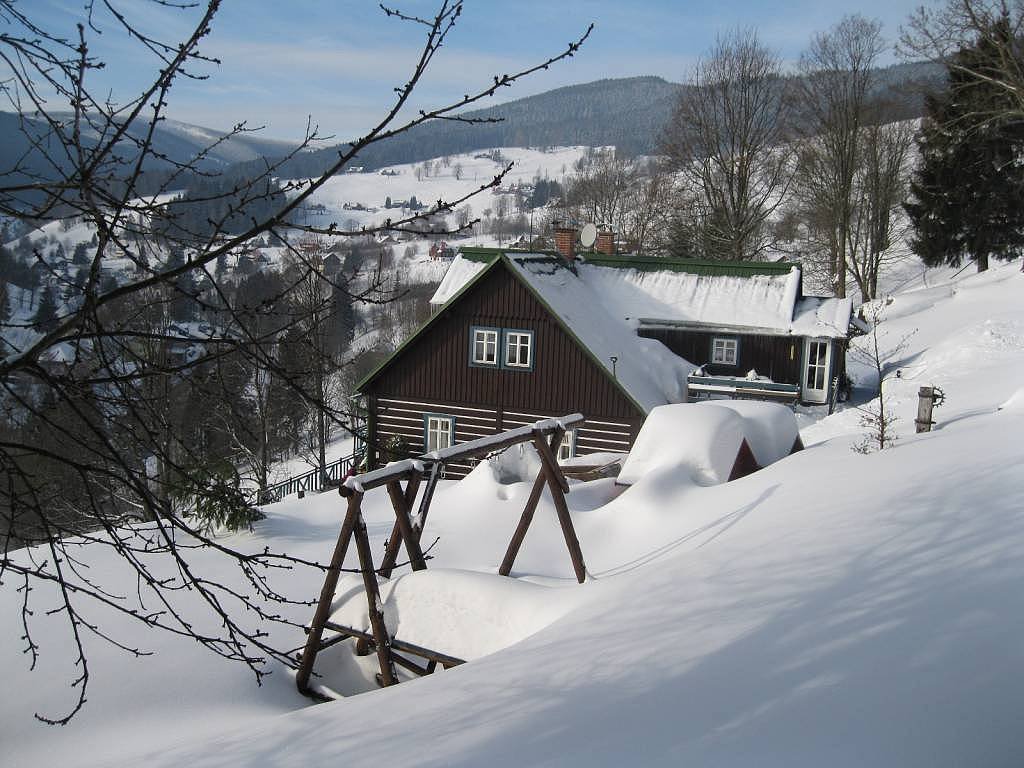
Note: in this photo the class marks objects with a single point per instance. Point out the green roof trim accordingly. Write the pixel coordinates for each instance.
(494, 259)
(480, 254)
(691, 266)
(645, 263)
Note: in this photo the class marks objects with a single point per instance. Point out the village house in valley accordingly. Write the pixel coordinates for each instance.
(520, 336)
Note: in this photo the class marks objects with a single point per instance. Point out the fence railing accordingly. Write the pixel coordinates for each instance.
(313, 480)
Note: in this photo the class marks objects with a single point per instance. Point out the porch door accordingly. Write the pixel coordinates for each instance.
(817, 359)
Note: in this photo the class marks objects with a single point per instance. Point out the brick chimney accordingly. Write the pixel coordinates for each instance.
(605, 241)
(565, 240)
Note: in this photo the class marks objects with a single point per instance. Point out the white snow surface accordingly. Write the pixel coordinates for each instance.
(759, 301)
(460, 272)
(768, 302)
(832, 609)
(699, 442)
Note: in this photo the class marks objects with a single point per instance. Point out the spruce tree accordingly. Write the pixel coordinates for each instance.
(5, 303)
(46, 312)
(968, 187)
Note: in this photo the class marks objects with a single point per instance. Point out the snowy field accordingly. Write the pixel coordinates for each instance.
(832, 609)
(464, 174)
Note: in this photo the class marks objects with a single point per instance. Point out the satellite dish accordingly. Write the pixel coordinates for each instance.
(588, 235)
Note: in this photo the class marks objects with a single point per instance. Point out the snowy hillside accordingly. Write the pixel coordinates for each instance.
(447, 179)
(832, 609)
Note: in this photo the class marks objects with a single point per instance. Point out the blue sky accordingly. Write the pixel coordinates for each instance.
(339, 61)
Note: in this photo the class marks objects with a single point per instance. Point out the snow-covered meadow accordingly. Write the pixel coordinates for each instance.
(834, 608)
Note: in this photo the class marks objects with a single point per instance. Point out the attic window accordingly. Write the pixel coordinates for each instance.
(723, 351)
(484, 346)
(518, 349)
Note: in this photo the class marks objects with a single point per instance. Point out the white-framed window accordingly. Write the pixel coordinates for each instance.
(440, 431)
(567, 448)
(723, 351)
(484, 346)
(518, 349)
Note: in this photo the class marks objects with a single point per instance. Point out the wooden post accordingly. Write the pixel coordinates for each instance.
(380, 631)
(527, 517)
(323, 606)
(387, 564)
(428, 496)
(926, 399)
(558, 496)
(399, 501)
(524, 525)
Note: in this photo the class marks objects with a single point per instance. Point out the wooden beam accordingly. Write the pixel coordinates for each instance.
(547, 457)
(402, 502)
(380, 630)
(550, 470)
(428, 496)
(323, 606)
(524, 525)
(399, 645)
(528, 511)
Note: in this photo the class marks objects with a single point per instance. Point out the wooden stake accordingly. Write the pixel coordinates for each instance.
(323, 606)
(524, 525)
(401, 505)
(380, 631)
(527, 517)
(925, 402)
(553, 474)
(387, 564)
(428, 496)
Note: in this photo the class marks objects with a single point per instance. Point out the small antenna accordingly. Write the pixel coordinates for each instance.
(588, 235)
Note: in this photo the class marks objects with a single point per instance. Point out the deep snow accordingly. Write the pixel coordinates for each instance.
(832, 609)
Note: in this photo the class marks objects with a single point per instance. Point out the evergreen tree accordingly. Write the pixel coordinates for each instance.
(221, 267)
(80, 255)
(46, 312)
(968, 188)
(5, 303)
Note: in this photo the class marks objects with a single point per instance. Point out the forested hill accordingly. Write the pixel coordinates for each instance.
(628, 113)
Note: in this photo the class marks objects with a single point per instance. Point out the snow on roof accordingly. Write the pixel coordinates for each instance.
(460, 272)
(759, 301)
(644, 368)
(815, 316)
(702, 440)
(770, 303)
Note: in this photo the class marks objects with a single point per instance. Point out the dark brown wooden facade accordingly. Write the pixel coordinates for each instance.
(780, 358)
(433, 375)
(777, 357)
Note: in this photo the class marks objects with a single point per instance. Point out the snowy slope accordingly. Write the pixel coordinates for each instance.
(833, 609)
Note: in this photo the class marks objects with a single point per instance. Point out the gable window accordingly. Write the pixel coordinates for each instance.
(567, 448)
(440, 432)
(483, 346)
(723, 351)
(518, 349)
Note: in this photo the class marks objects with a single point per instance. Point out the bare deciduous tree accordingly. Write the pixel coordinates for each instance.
(882, 185)
(833, 93)
(83, 448)
(727, 140)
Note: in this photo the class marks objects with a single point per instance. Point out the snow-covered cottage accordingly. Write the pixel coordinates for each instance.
(516, 337)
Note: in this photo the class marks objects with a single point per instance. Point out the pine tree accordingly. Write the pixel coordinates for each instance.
(968, 186)
(80, 255)
(5, 303)
(46, 312)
